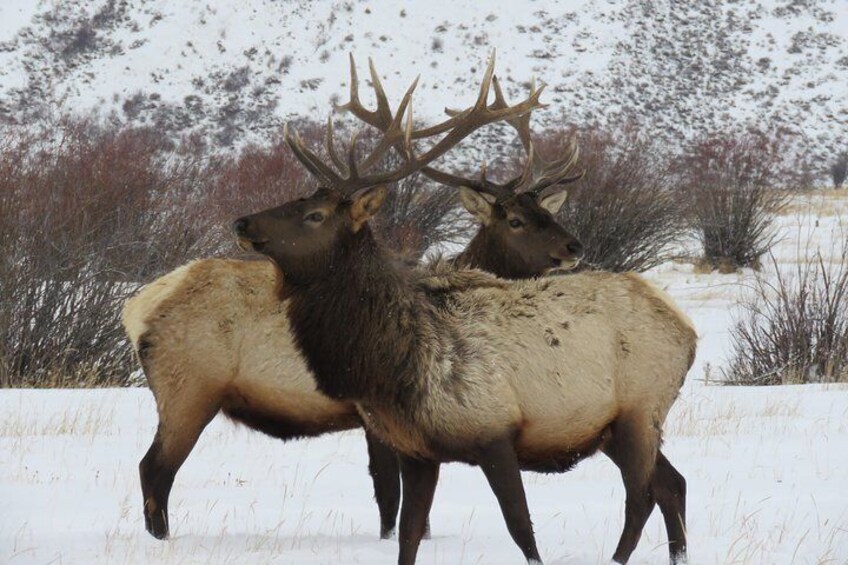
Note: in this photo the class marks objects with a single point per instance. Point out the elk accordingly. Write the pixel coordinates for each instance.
(190, 328)
(465, 367)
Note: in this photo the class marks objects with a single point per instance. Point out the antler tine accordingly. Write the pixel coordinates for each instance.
(538, 174)
(520, 124)
(353, 174)
(526, 176)
(311, 161)
(354, 106)
(381, 118)
(555, 173)
(331, 148)
(394, 132)
(384, 112)
(407, 134)
(483, 97)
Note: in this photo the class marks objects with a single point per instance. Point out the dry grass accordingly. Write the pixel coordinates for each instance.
(819, 203)
(794, 326)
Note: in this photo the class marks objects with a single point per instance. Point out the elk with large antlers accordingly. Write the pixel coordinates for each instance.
(188, 329)
(516, 219)
(464, 367)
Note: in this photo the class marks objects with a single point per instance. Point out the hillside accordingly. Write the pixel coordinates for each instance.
(237, 70)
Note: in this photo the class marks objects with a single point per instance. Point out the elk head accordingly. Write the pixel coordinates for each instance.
(303, 236)
(519, 236)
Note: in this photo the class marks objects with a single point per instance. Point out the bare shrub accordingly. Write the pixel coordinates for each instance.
(256, 179)
(418, 214)
(624, 210)
(839, 170)
(88, 213)
(79, 209)
(794, 328)
(730, 183)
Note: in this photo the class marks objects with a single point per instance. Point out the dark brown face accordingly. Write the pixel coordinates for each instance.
(525, 231)
(301, 235)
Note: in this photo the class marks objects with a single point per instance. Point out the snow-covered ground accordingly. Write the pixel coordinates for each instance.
(766, 471)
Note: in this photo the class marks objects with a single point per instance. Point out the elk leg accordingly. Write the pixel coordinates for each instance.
(171, 445)
(669, 490)
(419, 484)
(500, 465)
(633, 448)
(384, 468)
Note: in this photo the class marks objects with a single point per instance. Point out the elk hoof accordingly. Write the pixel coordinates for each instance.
(157, 527)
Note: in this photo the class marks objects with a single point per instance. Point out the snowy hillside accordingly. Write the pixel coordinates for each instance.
(237, 70)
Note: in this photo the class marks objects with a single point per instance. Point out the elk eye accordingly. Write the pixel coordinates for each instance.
(314, 217)
(515, 223)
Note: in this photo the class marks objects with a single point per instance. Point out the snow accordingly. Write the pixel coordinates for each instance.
(766, 470)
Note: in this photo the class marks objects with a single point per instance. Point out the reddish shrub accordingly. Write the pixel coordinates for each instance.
(731, 184)
(88, 213)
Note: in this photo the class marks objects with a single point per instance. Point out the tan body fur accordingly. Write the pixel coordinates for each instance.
(212, 335)
(556, 360)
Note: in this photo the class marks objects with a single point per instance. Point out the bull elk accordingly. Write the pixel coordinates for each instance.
(195, 333)
(463, 366)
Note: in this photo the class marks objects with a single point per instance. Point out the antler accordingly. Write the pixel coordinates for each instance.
(543, 173)
(537, 174)
(459, 125)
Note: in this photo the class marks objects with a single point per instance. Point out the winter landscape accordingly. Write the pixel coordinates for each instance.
(89, 213)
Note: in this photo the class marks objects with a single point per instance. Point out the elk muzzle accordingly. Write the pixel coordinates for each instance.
(245, 235)
(567, 258)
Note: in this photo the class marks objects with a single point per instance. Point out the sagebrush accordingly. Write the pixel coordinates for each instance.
(730, 183)
(794, 326)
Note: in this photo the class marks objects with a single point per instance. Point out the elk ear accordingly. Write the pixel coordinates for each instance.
(366, 203)
(478, 204)
(553, 198)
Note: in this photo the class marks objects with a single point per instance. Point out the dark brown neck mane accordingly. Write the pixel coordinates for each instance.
(487, 253)
(356, 324)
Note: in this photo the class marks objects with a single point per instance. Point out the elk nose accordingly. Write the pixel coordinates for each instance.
(576, 249)
(240, 226)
